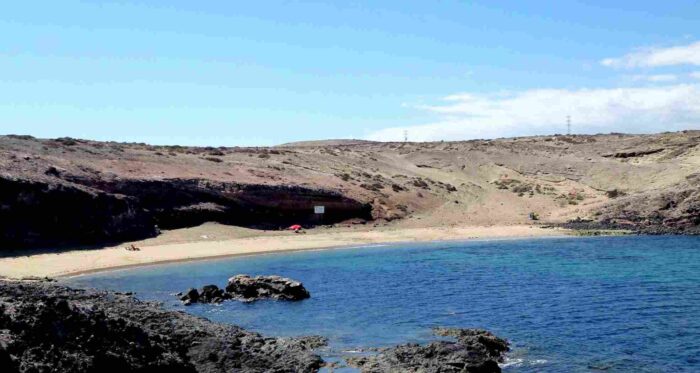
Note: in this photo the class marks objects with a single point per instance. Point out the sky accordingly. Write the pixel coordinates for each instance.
(245, 73)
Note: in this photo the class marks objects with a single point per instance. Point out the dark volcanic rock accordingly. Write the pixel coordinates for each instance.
(248, 289)
(259, 287)
(43, 213)
(191, 296)
(208, 294)
(675, 211)
(60, 208)
(46, 327)
(211, 294)
(475, 351)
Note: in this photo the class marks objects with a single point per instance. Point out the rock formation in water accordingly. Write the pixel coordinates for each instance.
(474, 351)
(246, 288)
(45, 327)
(275, 287)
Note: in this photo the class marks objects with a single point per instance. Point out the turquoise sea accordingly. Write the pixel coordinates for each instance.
(614, 304)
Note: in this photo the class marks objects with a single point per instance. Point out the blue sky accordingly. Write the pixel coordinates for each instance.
(264, 73)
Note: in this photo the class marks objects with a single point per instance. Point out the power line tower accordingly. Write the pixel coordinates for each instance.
(405, 135)
(568, 124)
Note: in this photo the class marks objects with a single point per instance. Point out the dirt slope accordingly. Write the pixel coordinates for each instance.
(68, 190)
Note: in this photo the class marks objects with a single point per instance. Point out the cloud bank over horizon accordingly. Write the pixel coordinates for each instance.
(657, 57)
(668, 102)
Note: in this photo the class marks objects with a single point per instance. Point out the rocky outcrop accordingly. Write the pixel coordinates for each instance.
(61, 208)
(43, 213)
(248, 289)
(475, 351)
(208, 294)
(674, 210)
(275, 287)
(46, 327)
(633, 153)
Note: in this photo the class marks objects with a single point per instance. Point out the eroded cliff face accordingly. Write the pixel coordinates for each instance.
(38, 213)
(672, 210)
(67, 209)
(68, 191)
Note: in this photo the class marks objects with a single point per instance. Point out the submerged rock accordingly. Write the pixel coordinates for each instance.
(275, 287)
(45, 327)
(475, 351)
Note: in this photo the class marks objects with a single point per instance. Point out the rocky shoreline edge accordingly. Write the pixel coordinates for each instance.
(48, 327)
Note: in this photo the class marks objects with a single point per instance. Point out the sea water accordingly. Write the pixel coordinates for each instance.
(617, 304)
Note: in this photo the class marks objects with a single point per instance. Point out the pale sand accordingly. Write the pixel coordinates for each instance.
(176, 246)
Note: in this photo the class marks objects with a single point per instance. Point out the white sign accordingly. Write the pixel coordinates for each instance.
(319, 209)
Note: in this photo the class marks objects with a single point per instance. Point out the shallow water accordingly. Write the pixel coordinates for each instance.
(567, 304)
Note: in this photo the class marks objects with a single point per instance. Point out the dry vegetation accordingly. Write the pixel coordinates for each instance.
(642, 179)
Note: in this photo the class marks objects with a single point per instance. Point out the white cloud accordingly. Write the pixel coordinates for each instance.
(695, 74)
(655, 57)
(660, 78)
(544, 111)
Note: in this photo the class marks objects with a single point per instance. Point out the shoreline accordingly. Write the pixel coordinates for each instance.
(288, 251)
(81, 262)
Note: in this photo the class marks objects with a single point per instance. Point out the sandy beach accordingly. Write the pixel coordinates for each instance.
(214, 241)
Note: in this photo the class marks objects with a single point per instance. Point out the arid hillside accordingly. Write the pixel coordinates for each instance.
(69, 191)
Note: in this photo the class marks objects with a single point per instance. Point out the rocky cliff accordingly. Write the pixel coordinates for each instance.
(71, 191)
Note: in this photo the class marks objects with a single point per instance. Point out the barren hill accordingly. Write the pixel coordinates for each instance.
(78, 191)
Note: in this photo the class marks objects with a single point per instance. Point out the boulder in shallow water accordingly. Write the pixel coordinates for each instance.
(211, 294)
(475, 351)
(191, 296)
(248, 289)
(261, 287)
(208, 294)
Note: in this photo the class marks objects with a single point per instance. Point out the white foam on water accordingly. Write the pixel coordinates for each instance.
(511, 362)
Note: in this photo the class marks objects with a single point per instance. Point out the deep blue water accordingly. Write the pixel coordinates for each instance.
(618, 304)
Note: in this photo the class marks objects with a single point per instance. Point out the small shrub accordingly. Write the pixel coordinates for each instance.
(521, 189)
(615, 193)
(214, 159)
(66, 141)
(21, 137)
(376, 187)
(420, 184)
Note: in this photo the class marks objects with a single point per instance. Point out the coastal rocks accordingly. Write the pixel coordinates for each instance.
(46, 327)
(208, 294)
(46, 213)
(475, 351)
(274, 287)
(248, 289)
